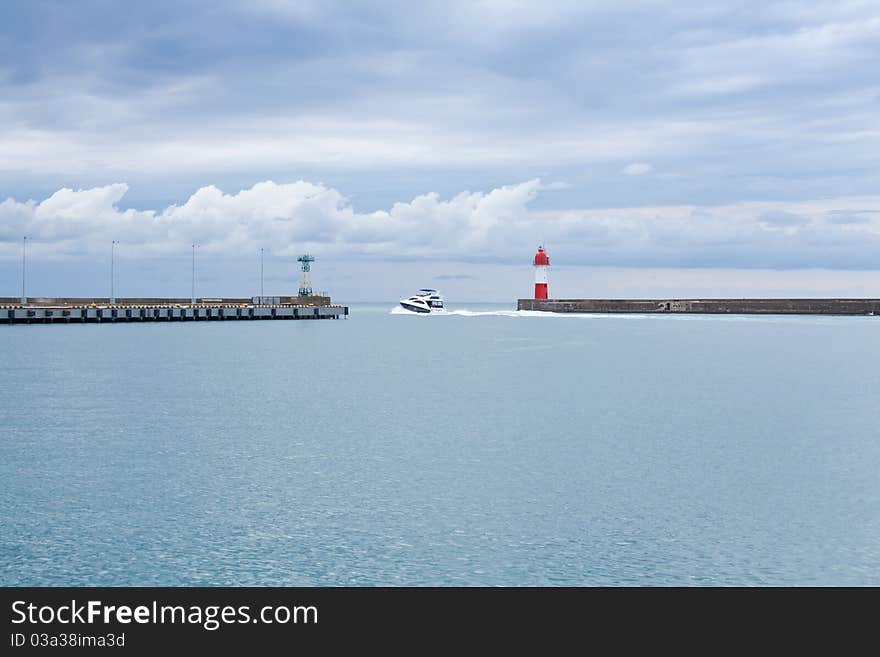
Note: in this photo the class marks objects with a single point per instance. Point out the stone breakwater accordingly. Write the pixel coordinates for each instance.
(707, 306)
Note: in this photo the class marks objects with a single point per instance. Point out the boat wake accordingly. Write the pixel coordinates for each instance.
(397, 310)
(673, 317)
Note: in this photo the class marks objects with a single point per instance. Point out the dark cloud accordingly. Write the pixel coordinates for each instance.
(393, 98)
(782, 218)
(845, 217)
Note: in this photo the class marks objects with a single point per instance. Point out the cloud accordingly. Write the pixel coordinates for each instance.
(412, 95)
(782, 219)
(848, 216)
(495, 226)
(290, 217)
(637, 169)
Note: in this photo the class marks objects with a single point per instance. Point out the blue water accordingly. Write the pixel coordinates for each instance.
(464, 450)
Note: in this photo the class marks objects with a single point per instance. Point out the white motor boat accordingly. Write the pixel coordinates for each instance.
(425, 300)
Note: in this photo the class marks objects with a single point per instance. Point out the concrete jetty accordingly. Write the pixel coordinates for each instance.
(99, 310)
(706, 306)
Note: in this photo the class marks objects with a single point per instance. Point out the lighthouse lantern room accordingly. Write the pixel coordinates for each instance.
(542, 264)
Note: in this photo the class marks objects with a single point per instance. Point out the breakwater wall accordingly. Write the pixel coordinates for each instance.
(707, 306)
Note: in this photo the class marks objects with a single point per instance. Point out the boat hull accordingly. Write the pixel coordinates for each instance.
(414, 308)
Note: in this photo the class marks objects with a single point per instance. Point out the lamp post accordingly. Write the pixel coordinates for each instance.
(261, 273)
(193, 274)
(112, 273)
(23, 269)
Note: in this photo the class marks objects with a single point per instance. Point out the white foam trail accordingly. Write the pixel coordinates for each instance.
(397, 310)
(491, 313)
(774, 319)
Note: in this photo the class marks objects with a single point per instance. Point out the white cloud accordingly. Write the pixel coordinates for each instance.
(492, 226)
(289, 217)
(637, 169)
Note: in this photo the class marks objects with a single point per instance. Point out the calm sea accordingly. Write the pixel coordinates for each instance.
(481, 448)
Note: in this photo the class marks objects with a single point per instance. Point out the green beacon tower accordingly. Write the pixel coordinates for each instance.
(305, 284)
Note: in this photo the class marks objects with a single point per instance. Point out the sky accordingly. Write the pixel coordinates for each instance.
(654, 148)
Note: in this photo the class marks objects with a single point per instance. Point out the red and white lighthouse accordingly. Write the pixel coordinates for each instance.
(542, 264)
